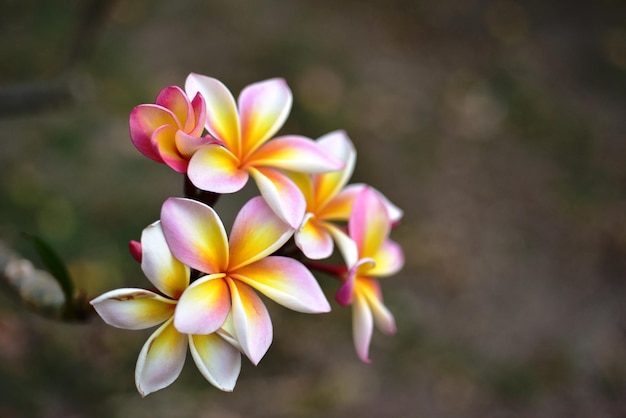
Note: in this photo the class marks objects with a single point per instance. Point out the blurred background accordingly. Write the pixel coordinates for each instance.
(497, 125)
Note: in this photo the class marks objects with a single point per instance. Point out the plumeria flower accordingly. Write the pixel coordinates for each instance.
(170, 130)
(243, 130)
(328, 200)
(378, 257)
(232, 267)
(163, 355)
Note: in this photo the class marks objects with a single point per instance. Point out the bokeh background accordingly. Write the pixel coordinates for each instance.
(497, 125)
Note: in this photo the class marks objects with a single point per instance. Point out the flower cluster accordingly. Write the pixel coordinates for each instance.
(206, 281)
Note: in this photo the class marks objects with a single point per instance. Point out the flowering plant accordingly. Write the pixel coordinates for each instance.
(206, 280)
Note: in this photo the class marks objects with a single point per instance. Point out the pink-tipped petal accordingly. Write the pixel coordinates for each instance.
(161, 359)
(383, 318)
(174, 99)
(188, 144)
(218, 361)
(395, 213)
(263, 109)
(313, 239)
(362, 327)
(222, 119)
(257, 232)
(164, 139)
(215, 169)
(253, 325)
(349, 193)
(281, 194)
(144, 120)
(285, 281)
(328, 185)
(165, 272)
(133, 308)
(369, 223)
(198, 106)
(389, 260)
(295, 153)
(195, 234)
(204, 306)
(338, 144)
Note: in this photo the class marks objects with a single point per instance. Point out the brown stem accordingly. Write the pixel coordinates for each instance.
(192, 192)
(339, 271)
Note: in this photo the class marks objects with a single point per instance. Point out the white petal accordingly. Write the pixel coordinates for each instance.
(161, 359)
(253, 325)
(168, 274)
(218, 361)
(362, 326)
(133, 308)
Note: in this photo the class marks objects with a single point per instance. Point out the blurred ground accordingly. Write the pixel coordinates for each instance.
(498, 126)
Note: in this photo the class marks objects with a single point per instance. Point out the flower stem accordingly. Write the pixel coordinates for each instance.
(203, 196)
(339, 271)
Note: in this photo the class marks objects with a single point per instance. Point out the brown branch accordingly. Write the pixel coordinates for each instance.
(36, 96)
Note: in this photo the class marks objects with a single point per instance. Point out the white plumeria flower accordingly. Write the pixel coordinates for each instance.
(378, 257)
(329, 200)
(232, 267)
(163, 355)
(245, 146)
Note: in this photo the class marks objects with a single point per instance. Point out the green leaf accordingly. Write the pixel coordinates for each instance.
(55, 265)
